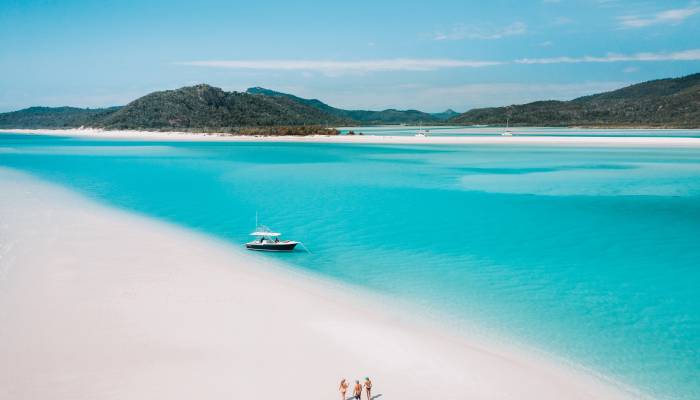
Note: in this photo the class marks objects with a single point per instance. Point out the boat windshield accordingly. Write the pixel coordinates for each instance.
(267, 239)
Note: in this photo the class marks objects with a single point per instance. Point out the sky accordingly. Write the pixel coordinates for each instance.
(427, 55)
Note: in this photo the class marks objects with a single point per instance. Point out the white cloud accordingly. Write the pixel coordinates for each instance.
(460, 32)
(335, 67)
(670, 17)
(630, 70)
(686, 55)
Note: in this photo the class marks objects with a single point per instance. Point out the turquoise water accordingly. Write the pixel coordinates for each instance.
(590, 254)
(442, 130)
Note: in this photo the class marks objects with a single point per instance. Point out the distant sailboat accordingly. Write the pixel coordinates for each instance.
(422, 132)
(507, 132)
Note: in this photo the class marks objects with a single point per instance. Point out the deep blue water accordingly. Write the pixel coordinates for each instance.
(590, 254)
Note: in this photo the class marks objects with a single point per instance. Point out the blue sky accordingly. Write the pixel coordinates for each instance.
(353, 54)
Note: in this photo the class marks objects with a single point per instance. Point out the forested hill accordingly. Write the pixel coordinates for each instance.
(207, 107)
(445, 115)
(200, 107)
(367, 117)
(54, 117)
(672, 103)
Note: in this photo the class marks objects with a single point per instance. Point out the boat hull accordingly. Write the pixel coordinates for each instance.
(281, 246)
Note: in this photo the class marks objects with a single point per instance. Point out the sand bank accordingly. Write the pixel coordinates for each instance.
(583, 141)
(97, 303)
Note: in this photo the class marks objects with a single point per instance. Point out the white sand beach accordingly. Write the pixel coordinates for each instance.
(98, 303)
(588, 141)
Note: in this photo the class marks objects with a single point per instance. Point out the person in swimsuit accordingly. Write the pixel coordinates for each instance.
(343, 388)
(357, 391)
(368, 388)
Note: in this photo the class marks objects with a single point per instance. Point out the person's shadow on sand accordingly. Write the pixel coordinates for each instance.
(376, 396)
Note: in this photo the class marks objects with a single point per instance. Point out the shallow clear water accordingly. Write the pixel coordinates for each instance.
(590, 254)
(442, 130)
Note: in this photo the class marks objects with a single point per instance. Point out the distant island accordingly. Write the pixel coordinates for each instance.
(363, 117)
(200, 108)
(663, 103)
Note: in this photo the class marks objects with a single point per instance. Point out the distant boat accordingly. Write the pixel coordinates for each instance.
(507, 132)
(267, 240)
(422, 132)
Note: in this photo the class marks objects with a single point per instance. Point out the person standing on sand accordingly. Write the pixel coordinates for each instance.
(343, 388)
(368, 388)
(357, 390)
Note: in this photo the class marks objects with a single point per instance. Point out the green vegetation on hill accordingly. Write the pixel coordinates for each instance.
(364, 117)
(199, 108)
(671, 103)
(54, 117)
(206, 107)
(445, 115)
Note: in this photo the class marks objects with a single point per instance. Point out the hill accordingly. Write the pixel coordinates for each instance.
(671, 103)
(389, 116)
(196, 108)
(445, 115)
(206, 107)
(54, 117)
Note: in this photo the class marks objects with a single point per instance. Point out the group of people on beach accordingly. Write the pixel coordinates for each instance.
(356, 390)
